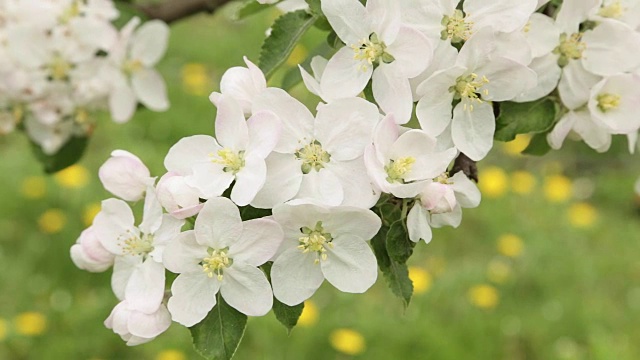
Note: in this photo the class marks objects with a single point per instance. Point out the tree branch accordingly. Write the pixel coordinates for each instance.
(466, 165)
(173, 10)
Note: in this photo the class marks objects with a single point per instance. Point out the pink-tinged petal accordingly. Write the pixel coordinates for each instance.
(249, 180)
(406, 191)
(219, 224)
(284, 176)
(193, 296)
(344, 76)
(418, 225)
(322, 187)
(122, 103)
(231, 128)
(83, 261)
(149, 43)
(259, 241)
(113, 224)
(375, 169)
(189, 151)
(453, 218)
(392, 91)
(265, 129)
(467, 193)
(297, 121)
(350, 265)
(295, 276)
(184, 254)
(348, 18)
(123, 268)
(145, 288)
(352, 222)
(149, 325)
(93, 249)
(358, 188)
(243, 84)
(125, 176)
(412, 52)
(472, 130)
(246, 288)
(152, 214)
(119, 318)
(150, 89)
(344, 127)
(210, 179)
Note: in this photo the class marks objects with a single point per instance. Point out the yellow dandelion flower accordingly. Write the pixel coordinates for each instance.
(493, 182)
(34, 187)
(582, 215)
(498, 271)
(52, 221)
(510, 245)
(557, 188)
(523, 182)
(196, 79)
(89, 213)
(30, 323)
(4, 329)
(347, 341)
(309, 316)
(484, 296)
(421, 279)
(298, 55)
(73, 177)
(171, 354)
(515, 147)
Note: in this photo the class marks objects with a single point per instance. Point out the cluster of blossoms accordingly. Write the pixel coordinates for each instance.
(61, 61)
(319, 181)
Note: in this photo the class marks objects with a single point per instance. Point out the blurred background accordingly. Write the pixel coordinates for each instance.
(547, 267)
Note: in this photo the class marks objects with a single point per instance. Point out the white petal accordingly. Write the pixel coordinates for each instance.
(151, 90)
(502, 15)
(472, 130)
(193, 296)
(265, 129)
(352, 222)
(412, 52)
(184, 254)
(259, 241)
(149, 325)
(122, 104)
(467, 192)
(145, 288)
(418, 225)
(322, 187)
(231, 127)
(149, 43)
(295, 276)
(452, 219)
(125, 176)
(245, 288)
(548, 72)
(345, 76)
(561, 130)
(210, 179)
(284, 177)
(575, 85)
(350, 265)
(392, 91)
(507, 79)
(358, 189)
(605, 57)
(123, 268)
(219, 224)
(249, 180)
(190, 151)
(152, 214)
(348, 18)
(113, 221)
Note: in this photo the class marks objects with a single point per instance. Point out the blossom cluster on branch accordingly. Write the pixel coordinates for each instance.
(283, 198)
(61, 61)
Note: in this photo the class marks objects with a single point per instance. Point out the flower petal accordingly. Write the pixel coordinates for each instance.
(193, 296)
(259, 241)
(245, 288)
(219, 224)
(150, 89)
(295, 276)
(350, 265)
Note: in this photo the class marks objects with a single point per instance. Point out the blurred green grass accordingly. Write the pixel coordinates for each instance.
(570, 293)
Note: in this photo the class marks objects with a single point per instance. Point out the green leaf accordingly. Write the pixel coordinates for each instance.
(399, 247)
(287, 315)
(285, 34)
(396, 274)
(538, 146)
(250, 213)
(314, 6)
(217, 337)
(69, 154)
(250, 8)
(523, 118)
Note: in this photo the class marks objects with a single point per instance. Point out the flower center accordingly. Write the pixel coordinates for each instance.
(608, 102)
(232, 161)
(457, 27)
(372, 51)
(315, 240)
(469, 87)
(443, 179)
(70, 12)
(216, 262)
(136, 245)
(398, 169)
(570, 48)
(131, 66)
(613, 10)
(59, 68)
(313, 157)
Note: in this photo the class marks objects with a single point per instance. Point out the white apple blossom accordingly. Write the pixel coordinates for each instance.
(138, 274)
(440, 204)
(137, 327)
(88, 254)
(125, 176)
(401, 164)
(221, 254)
(238, 154)
(319, 159)
(242, 84)
(614, 102)
(323, 243)
(379, 47)
(177, 197)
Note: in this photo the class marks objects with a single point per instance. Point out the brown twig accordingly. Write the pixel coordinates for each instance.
(173, 10)
(467, 166)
